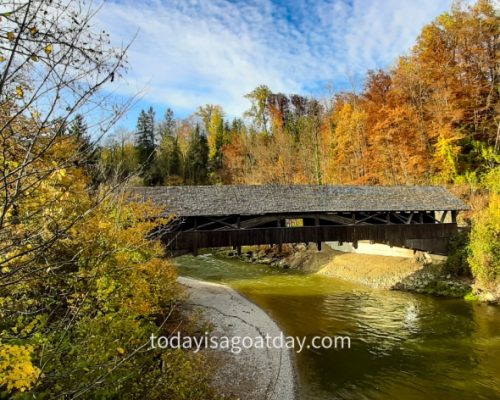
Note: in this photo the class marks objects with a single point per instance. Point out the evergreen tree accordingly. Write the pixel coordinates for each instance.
(169, 122)
(145, 141)
(176, 160)
(78, 128)
(88, 158)
(167, 126)
(167, 168)
(197, 158)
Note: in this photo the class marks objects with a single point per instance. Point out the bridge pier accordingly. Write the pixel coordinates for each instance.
(238, 250)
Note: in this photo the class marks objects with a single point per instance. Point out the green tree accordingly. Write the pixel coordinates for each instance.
(145, 142)
(484, 245)
(88, 152)
(196, 169)
(167, 126)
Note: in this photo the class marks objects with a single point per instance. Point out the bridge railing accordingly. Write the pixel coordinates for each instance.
(395, 235)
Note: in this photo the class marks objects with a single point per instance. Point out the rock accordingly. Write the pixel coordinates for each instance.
(490, 297)
(295, 262)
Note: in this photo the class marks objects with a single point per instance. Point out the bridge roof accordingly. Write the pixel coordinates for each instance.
(189, 201)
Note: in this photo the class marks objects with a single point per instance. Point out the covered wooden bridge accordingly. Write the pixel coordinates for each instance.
(417, 217)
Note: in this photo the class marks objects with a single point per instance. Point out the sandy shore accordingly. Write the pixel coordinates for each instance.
(254, 373)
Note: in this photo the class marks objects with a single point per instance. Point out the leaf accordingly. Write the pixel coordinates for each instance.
(33, 31)
(120, 350)
(2, 59)
(19, 92)
(34, 57)
(11, 36)
(48, 49)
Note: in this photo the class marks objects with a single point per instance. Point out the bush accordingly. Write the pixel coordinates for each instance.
(457, 262)
(484, 256)
(82, 291)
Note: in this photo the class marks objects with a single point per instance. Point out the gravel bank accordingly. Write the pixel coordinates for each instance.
(372, 270)
(254, 373)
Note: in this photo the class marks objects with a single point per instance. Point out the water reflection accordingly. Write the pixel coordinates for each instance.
(404, 346)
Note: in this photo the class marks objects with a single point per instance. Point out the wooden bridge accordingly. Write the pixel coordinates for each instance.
(417, 217)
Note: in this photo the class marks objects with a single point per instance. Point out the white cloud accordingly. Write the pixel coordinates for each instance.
(188, 52)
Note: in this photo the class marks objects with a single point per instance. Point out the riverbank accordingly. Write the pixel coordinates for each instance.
(254, 373)
(437, 340)
(420, 274)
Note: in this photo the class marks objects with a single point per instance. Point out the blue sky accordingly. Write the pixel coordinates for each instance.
(193, 52)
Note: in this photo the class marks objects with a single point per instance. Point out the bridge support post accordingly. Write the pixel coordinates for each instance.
(195, 244)
(318, 242)
(280, 242)
(238, 249)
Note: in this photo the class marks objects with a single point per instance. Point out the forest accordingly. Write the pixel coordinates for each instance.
(431, 119)
(82, 286)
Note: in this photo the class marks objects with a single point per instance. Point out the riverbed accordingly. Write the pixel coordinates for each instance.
(403, 345)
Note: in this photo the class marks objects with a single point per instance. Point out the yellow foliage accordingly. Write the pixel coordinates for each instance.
(17, 372)
(485, 244)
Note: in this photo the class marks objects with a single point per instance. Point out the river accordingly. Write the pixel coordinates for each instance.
(403, 345)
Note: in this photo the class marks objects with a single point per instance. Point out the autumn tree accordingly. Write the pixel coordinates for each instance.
(259, 111)
(167, 168)
(81, 287)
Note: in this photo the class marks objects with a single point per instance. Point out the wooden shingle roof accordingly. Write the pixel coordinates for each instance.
(271, 199)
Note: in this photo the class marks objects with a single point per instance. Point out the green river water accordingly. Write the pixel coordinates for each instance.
(403, 345)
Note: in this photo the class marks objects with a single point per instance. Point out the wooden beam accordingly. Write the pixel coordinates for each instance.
(411, 217)
(376, 218)
(238, 222)
(254, 222)
(318, 242)
(339, 219)
(367, 218)
(206, 224)
(195, 241)
(400, 218)
(280, 238)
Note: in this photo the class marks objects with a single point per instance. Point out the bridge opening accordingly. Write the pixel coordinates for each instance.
(294, 222)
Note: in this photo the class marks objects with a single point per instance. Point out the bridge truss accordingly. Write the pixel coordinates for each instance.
(419, 230)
